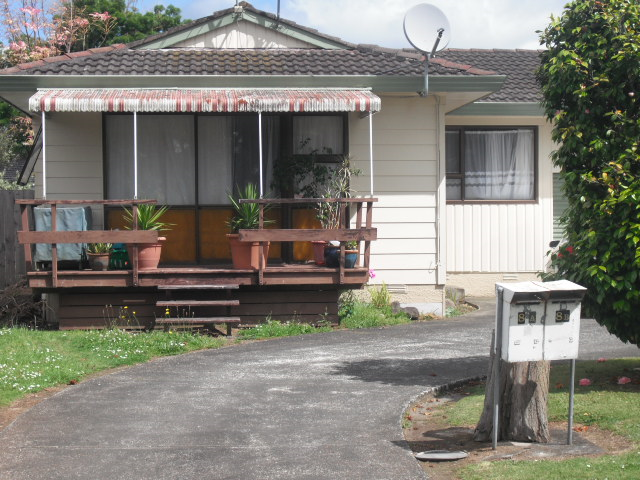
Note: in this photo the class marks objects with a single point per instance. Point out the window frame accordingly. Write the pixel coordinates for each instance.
(461, 129)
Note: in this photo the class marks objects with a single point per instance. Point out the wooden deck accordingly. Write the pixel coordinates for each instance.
(138, 297)
(272, 275)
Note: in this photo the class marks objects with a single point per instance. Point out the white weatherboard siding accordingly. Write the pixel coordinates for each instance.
(405, 182)
(503, 237)
(74, 159)
(242, 35)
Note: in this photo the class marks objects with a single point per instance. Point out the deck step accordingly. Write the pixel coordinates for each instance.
(196, 320)
(198, 303)
(228, 321)
(199, 287)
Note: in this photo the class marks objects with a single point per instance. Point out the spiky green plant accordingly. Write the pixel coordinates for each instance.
(246, 215)
(149, 216)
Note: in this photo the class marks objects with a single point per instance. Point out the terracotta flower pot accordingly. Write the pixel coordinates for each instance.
(318, 251)
(246, 255)
(98, 261)
(148, 254)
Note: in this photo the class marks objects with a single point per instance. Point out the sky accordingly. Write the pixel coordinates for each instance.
(474, 23)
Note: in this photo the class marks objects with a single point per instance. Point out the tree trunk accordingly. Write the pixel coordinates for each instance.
(524, 388)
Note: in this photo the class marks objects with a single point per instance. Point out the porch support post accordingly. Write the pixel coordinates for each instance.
(260, 150)
(371, 151)
(135, 155)
(44, 157)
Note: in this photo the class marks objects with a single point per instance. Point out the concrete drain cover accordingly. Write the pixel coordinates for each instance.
(441, 455)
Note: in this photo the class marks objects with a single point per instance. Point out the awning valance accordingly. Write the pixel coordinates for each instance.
(203, 100)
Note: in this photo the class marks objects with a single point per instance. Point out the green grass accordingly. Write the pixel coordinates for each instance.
(31, 361)
(276, 328)
(604, 404)
(365, 315)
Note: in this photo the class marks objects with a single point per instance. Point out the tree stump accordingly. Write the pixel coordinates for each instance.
(524, 388)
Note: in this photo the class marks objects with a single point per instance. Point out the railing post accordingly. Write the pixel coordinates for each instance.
(367, 244)
(24, 214)
(54, 246)
(134, 249)
(261, 260)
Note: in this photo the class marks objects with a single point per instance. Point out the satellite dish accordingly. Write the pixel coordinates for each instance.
(427, 28)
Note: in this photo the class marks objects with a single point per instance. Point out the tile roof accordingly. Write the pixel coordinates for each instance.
(518, 65)
(362, 60)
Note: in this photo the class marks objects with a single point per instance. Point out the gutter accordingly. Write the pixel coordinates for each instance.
(466, 83)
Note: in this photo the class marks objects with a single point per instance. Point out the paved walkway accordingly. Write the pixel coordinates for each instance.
(324, 406)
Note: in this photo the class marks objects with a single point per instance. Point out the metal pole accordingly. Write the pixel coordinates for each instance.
(135, 155)
(371, 152)
(260, 150)
(44, 157)
(496, 369)
(571, 394)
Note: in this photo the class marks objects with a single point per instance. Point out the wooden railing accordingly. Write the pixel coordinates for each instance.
(134, 237)
(360, 233)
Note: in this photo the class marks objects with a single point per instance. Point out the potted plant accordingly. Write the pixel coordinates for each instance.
(246, 216)
(350, 254)
(98, 254)
(149, 218)
(328, 213)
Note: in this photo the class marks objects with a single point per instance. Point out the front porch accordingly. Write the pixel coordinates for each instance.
(83, 298)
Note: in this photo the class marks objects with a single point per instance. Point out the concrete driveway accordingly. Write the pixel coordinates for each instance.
(324, 406)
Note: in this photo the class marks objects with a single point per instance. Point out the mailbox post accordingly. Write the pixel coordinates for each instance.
(538, 321)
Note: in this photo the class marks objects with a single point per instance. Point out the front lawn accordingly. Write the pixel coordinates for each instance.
(611, 402)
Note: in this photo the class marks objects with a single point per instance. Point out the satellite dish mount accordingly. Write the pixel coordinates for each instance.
(428, 30)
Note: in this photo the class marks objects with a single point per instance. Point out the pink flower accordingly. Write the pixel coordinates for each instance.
(602, 360)
(584, 382)
(101, 16)
(624, 380)
(372, 273)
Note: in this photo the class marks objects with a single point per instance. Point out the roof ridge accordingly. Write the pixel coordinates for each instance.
(221, 13)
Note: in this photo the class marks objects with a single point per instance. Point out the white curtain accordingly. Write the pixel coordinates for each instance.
(166, 158)
(499, 165)
(319, 133)
(215, 175)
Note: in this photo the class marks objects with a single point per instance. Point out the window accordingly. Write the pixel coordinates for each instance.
(192, 161)
(491, 164)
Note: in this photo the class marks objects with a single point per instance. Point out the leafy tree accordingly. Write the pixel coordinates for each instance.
(130, 24)
(590, 85)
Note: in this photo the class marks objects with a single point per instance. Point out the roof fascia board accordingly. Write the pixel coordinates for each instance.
(184, 35)
(523, 109)
(11, 83)
(230, 18)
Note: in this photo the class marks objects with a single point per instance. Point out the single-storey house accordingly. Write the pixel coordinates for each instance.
(458, 178)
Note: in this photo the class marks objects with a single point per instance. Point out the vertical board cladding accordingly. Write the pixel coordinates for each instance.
(74, 159)
(406, 179)
(504, 237)
(242, 35)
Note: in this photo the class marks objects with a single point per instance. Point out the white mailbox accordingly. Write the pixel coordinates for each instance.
(540, 320)
(522, 314)
(562, 320)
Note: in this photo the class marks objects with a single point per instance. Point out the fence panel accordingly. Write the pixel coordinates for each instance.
(12, 265)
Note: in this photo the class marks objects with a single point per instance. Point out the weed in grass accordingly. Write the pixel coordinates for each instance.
(380, 296)
(366, 315)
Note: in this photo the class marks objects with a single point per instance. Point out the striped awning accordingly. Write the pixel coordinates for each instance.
(203, 100)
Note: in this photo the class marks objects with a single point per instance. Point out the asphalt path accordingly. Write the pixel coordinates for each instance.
(325, 406)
